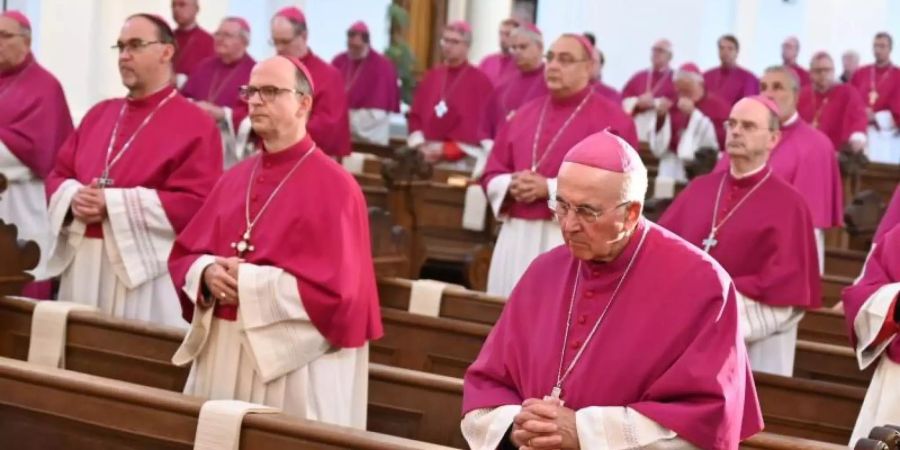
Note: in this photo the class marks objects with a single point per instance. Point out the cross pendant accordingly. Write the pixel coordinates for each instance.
(440, 110)
(710, 242)
(105, 181)
(556, 392)
(243, 246)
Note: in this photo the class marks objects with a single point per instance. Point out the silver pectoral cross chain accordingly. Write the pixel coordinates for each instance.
(710, 241)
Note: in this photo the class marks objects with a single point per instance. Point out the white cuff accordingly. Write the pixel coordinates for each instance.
(484, 428)
(869, 321)
(138, 236)
(65, 239)
(496, 192)
(415, 139)
(859, 136)
(620, 428)
(551, 188)
(759, 321)
(193, 280)
(629, 103)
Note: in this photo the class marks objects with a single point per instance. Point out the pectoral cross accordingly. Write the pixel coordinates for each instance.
(441, 109)
(555, 392)
(710, 242)
(873, 97)
(104, 181)
(243, 246)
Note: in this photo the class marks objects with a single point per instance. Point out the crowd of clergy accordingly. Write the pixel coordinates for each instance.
(213, 198)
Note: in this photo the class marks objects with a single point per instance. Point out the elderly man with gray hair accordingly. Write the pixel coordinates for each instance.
(804, 157)
(215, 82)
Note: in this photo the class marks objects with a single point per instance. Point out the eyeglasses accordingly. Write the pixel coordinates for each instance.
(5, 35)
(564, 59)
(266, 93)
(583, 214)
(133, 45)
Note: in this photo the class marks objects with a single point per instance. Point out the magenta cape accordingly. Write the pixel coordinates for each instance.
(194, 46)
(767, 246)
(371, 82)
(669, 346)
(885, 81)
(466, 91)
(316, 229)
(329, 123)
(178, 153)
(34, 117)
(518, 90)
(805, 159)
(838, 113)
(659, 84)
(891, 216)
(608, 92)
(512, 150)
(219, 83)
(498, 68)
(882, 267)
(802, 74)
(713, 107)
(731, 84)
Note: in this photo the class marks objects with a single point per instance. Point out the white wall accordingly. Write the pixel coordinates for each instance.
(72, 37)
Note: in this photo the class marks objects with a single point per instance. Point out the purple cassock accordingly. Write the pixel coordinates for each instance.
(657, 82)
(802, 74)
(879, 88)
(465, 91)
(767, 244)
(329, 122)
(805, 159)
(731, 83)
(838, 112)
(194, 45)
(882, 268)
(518, 90)
(498, 67)
(370, 82)
(34, 117)
(667, 346)
(891, 216)
(219, 83)
(608, 92)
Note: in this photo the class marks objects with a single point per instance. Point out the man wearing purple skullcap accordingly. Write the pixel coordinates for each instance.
(370, 80)
(627, 336)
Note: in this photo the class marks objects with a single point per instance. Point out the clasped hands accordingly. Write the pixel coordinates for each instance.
(89, 204)
(545, 425)
(527, 187)
(221, 279)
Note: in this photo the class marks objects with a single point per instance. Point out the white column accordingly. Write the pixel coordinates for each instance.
(456, 10)
(485, 18)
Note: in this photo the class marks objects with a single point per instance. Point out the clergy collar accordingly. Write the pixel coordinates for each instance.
(289, 154)
(791, 120)
(364, 55)
(748, 179)
(188, 28)
(152, 99)
(592, 269)
(18, 68)
(575, 98)
(457, 67)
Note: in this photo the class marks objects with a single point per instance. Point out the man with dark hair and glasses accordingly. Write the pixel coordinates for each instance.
(371, 85)
(521, 172)
(449, 105)
(194, 43)
(214, 85)
(329, 123)
(625, 337)
(128, 180)
(34, 122)
(760, 229)
(275, 270)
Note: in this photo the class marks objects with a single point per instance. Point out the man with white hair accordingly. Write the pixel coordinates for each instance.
(761, 231)
(849, 62)
(692, 122)
(215, 82)
(621, 286)
(644, 90)
(446, 117)
(34, 122)
(790, 49)
(527, 48)
(833, 108)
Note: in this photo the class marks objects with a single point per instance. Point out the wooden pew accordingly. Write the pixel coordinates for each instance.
(846, 263)
(401, 402)
(833, 363)
(825, 326)
(832, 285)
(18, 256)
(390, 244)
(43, 408)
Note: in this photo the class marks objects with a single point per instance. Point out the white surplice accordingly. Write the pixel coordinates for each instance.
(884, 141)
(370, 125)
(699, 133)
(599, 428)
(520, 240)
(770, 333)
(882, 403)
(272, 354)
(23, 204)
(125, 274)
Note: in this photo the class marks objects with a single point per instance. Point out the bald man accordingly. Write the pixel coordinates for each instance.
(127, 181)
(790, 49)
(194, 43)
(283, 301)
(643, 91)
(34, 122)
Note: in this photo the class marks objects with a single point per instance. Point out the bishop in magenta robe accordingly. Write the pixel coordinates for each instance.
(194, 43)
(642, 94)
(790, 49)
(879, 85)
(730, 81)
(833, 108)
(500, 66)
